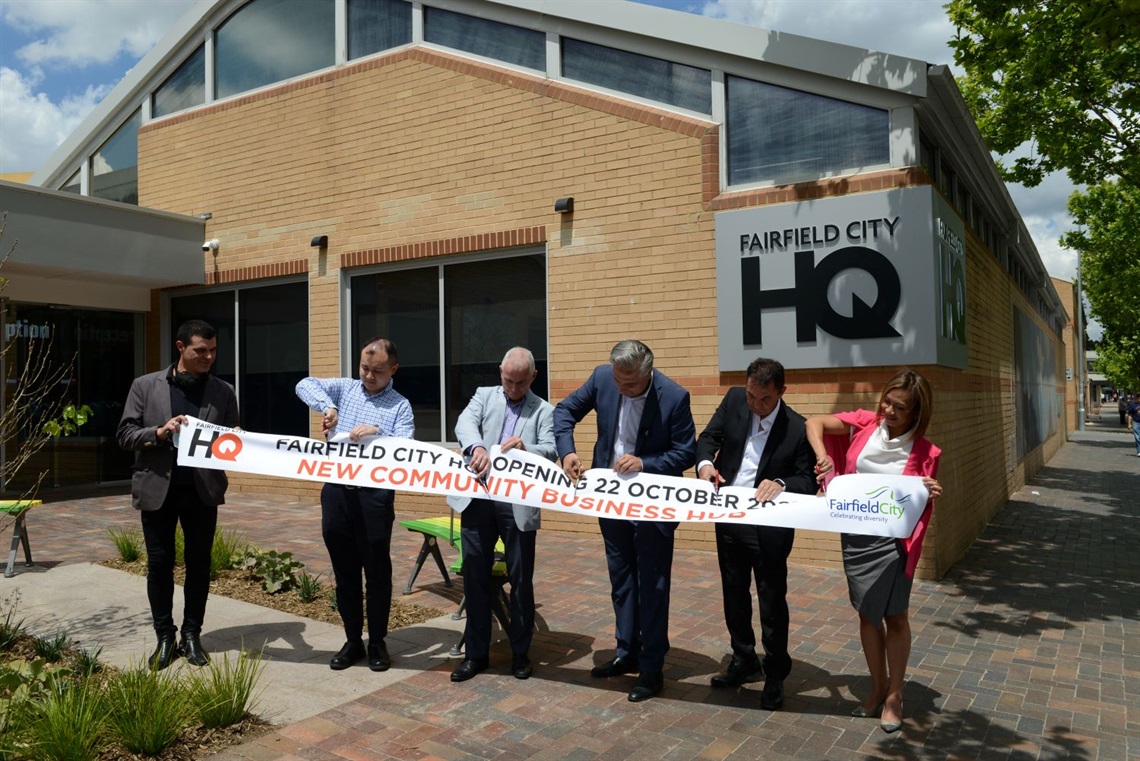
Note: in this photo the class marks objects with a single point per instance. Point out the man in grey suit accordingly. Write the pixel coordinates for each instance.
(168, 494)
(512, 416)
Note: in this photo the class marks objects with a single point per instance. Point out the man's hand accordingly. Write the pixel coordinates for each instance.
(628, 463)
(514, 442)
(171, 427)
(710, 474)
(572, 465)
(361, 430)
(768, 490)
(329, 420)
(480, 461)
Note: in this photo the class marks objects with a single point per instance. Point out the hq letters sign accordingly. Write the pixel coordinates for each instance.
(871, 279)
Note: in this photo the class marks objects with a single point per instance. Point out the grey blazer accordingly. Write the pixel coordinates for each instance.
(482, 422)
(147, 409)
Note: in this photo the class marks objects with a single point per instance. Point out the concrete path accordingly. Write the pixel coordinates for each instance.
(1028, 649)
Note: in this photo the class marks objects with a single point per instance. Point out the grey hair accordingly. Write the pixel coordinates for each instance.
(519, 352)
(632, 354)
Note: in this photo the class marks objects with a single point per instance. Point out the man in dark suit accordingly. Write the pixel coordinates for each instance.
(514, 417)
(644, 425)
(758, 442)
(169, 494)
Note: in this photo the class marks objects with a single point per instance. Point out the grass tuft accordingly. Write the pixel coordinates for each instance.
(147, 709)
(128, 543)
(51, 649)
(68, 725)
(224, 692)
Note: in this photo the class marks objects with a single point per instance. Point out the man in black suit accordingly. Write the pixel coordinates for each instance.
(756, 441)
(644, 426)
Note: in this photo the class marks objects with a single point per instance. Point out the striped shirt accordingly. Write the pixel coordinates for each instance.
(390, 412)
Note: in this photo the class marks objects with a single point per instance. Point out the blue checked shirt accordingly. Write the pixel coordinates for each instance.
(388, 410)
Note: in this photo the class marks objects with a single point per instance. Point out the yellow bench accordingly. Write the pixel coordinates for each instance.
(19, 510)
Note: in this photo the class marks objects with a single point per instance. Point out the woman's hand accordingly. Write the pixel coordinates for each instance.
(933, 487)
(823, 466)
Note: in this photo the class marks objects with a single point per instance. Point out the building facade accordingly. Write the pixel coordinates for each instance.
(466, 175)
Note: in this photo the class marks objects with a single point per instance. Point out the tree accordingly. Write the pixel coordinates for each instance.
(1107, 217)
(1058, 74)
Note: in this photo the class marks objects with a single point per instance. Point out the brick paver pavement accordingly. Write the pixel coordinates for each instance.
(1029, 648)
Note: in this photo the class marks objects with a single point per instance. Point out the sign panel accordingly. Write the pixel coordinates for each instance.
(861, 280)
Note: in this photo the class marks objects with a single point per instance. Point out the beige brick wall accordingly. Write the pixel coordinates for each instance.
(419, 153)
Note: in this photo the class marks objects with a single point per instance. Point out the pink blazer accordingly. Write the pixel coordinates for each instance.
(923, 461)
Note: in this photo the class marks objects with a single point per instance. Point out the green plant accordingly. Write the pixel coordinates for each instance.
(51, 649)
(128, 543)
(21, 683)
(331, 594)
(68, 725)
(277, 570)
(147, 710)
(179, 546)
(87, 662)
(70, 418)
(9, 631)
(224, 692)
(308, 586)
(228, 545)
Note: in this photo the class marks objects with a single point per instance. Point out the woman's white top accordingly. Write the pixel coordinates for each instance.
(884, 455)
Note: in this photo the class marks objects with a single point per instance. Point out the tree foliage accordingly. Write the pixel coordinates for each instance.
(1058, 74)
(1107, 217)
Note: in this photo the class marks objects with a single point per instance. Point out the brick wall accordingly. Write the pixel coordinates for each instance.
(420, 154)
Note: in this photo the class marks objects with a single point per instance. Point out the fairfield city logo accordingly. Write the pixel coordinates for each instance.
(222, 446)
(881, 501)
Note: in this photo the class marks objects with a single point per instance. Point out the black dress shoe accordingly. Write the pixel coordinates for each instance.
(520, 667)
(739, 672)
(468, 669)
(164, 654)
(772, 697)
(648, 685)
(191, 647)
(378, 658)
(616, 667)
(352, 652)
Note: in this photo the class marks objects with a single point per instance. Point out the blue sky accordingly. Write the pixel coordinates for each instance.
(59, 58)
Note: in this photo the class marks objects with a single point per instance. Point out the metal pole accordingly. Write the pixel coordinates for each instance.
(1081, 361)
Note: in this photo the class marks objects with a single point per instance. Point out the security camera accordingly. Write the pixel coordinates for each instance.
(210, 245)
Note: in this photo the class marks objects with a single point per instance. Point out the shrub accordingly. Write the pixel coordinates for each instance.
(51, 649)
(222, 693)
(87, 662)
(308, 586)
(331, 594)
(128, 543)
(21, 683)
(68, 725)
(228, 545)
(147, 710)
(10, 632)
(277, 570)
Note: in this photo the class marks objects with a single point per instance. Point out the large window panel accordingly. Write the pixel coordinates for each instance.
(115, 166)
(780, 135)
(185, 88)
(375, 25)
(646, 77)
(483, 37)
(488, 306)
(274, 356)
(269, 41)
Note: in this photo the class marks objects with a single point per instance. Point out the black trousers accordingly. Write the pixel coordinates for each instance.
(356, 524)
(744, 552)
(483, 523)
(639, 555)
(199, 520)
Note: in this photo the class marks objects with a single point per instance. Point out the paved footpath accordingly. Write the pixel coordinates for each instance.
(1028, 649)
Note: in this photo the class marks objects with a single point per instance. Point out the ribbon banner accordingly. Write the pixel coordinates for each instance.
(855, 504)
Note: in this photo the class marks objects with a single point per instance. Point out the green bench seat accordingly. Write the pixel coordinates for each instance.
(444, 528)
(19, 510)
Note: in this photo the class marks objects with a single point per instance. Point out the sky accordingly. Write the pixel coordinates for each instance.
(59, 58)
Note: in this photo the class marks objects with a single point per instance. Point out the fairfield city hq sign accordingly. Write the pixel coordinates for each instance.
(868, 279)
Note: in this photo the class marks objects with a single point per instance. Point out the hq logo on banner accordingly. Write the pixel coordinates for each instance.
(877, 505)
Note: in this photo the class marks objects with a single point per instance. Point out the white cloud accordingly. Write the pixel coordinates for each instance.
(81, 32)
(873, 25)
(33, 126)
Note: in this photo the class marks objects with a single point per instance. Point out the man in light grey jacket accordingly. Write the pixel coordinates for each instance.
(168, 494)
(514, 417)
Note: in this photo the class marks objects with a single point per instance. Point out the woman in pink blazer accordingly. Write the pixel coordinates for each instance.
(880, 570)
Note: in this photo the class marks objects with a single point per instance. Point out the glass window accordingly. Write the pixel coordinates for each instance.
(115, 167)
(271, 356)
(99, 355)
(375, 25)
(488, 307)
(490, 39)
(73, 185)
(268, 41)
(185, 88)
(780, 135)
(640, 75)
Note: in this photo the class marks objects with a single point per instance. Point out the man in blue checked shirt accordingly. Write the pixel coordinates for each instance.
(356, 521)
